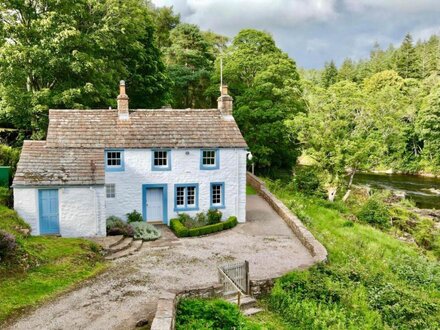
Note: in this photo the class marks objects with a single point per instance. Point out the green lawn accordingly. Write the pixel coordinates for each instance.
(45, 266)
(371, 281)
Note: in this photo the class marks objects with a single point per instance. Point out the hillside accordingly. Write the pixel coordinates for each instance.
(38, 268)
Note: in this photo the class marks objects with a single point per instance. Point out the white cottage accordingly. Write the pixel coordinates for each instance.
(98, 163)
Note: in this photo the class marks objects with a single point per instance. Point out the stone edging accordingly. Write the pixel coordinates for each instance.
(165, 316)
(316, 249)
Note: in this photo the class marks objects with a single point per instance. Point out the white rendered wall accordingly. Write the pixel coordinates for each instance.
(26, 205)
(185, 168)
(81, 210)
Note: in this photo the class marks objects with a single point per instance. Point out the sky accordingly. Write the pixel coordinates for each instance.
(313, 32)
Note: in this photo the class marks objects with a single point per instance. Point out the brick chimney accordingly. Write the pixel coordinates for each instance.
(122, 102)
(225, 101)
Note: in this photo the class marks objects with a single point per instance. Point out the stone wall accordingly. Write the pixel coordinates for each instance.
(261, 287)
(166, 306)
(317, 250)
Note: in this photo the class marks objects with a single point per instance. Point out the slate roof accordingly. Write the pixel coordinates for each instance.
(159, 128)
(42, 166)
(73, 153)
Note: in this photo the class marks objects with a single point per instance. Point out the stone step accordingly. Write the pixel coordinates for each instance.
(252, 311)
(115, 241)
(134, 247)
(122, 245)
(245, 301)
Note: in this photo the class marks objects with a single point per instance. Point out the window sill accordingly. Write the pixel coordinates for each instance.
(180, 209)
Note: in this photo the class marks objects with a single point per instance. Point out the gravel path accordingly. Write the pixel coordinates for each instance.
(129, 290)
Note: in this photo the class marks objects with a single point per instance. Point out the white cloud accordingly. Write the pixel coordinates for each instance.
(425, 33)
(409, 6)
(223, 14)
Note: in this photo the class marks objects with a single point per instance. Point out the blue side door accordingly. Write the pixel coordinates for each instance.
(49, 211)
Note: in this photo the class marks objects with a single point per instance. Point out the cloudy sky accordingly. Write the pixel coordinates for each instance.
(315, 31)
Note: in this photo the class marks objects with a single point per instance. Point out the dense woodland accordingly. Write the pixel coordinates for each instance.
(377, 113)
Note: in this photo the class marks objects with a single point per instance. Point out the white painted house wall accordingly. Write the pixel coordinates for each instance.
(185, 168)
(81, 210)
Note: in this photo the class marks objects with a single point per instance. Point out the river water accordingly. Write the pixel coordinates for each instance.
(424, 191)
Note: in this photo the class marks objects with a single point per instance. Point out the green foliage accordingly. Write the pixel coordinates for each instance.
(371, 279)
(214, 216)
(375, 212)
(9, 157)
(145, 231)
(134, 216)
(208, 314)
(115, 226)
(265, 84)
(330, 74)
(71, 54)
(190, 61)
(182, 230)
(178, 228)
(5, 196)
(41, 267)
(306, 180)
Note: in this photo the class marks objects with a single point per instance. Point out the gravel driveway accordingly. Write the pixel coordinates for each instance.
(129, 290)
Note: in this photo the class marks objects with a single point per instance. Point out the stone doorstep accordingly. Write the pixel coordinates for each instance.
(246, 302)
(252, 311)
(134, 247)
(124, 244)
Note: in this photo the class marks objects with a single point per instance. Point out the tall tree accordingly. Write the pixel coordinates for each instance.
(65, 54)
(265, 84)
(165, 20)
(190, 62)
(330, 74)
(428, 125)
(347, 71)
(408, 61)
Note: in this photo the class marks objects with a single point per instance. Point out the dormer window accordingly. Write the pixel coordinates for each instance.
(114, 160)
(161, 160)
(209, 159)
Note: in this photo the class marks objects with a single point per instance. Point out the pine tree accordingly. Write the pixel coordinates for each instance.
(407, 59)
(330, 74)
(347, 71)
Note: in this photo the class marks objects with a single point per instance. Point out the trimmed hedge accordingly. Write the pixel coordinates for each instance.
(181, 231)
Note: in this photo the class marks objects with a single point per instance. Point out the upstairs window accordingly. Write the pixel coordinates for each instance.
(217, 195)
(186, 197)
(209, 159)
(114, 160)
(161, 160)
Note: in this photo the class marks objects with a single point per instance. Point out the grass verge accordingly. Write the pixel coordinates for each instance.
(371, 281)
(41, 267)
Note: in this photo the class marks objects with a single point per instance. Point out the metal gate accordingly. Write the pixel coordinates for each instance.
(238, 274)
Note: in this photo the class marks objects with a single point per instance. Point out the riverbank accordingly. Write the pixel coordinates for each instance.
(371, 281)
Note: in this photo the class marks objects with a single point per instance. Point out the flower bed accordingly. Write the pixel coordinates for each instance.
(181, 231)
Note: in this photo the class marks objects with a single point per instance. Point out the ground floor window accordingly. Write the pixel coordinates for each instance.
(110, 190)
(186, 197)
(217, 195)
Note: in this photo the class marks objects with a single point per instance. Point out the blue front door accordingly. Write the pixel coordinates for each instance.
(48, 204)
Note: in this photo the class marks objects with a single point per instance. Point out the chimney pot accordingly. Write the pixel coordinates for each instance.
(122, 102)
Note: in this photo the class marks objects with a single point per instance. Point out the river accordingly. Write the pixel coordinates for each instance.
(424, 191)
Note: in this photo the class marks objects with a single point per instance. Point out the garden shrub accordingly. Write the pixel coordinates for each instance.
(134, 216)
(306, 181)
(9, 156)
(230, 223)
(205, 229)
(8, 244)
(201, 219)
(214, 216)
(178, 228)
(145, 231)
(182, 231)
(208, 314)
(115, 226)
(5, 196)
(375, 212)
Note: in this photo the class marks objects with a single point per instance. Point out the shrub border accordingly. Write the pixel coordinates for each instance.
(181, 231)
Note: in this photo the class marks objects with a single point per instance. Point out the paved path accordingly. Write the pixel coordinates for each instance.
(129, 290)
